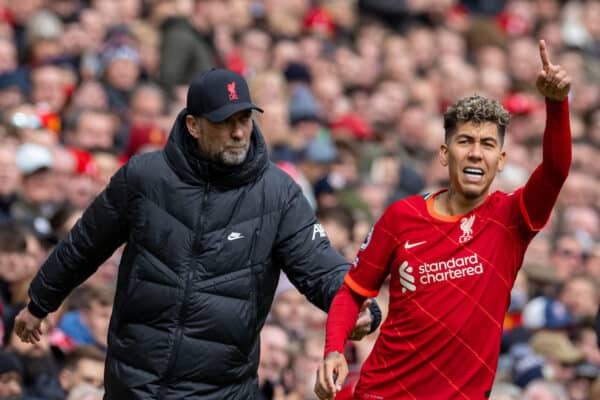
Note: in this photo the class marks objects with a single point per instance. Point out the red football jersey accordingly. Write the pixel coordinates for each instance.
(450, 286)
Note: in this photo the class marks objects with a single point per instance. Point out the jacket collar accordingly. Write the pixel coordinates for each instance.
(183, 156)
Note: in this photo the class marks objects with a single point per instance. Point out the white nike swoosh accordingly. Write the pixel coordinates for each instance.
(234, 236)
(408, 245)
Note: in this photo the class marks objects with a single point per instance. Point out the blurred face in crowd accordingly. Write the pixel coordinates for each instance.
(93, 24)
(48, 86)
(81, 190)
(307, 362)
(580, 296)
(97, 318)
(473, 156)
(567, 256)
(10, 386)
(289, 309)
(274, 355)
(592, 262)
(523, 67)
(21, 10)
(90, 94)
(88, 371)
(146, 107)
(94, 130)
(224, 142)
(38, 187)
(107, 165)
(328, 91)
(491, 57)
(255, 49)
(16, 266)
(9, 174)
(8, 56)
(122, 73)
(338, 234)
(285, 52)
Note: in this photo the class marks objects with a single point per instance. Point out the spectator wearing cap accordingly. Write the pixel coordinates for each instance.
(314, 162)
(220, 260)
(36, 197)
(560, 354)
(546, 313)
(121, 71)
(43, 37)
(580, 387)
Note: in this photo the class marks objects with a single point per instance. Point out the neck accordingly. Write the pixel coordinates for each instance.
(451, 203)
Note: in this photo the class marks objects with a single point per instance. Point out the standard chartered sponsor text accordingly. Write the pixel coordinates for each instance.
(454, 268)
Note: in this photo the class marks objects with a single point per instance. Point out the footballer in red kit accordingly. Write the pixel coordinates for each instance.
(452, 257)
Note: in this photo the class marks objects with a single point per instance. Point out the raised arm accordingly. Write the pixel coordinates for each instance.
(542, 189)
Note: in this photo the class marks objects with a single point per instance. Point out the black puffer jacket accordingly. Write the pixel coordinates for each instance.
(205, 246)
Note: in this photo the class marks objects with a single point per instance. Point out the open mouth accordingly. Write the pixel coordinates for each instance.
(473, 174)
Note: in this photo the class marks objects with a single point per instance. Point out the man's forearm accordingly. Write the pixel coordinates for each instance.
(341, 319)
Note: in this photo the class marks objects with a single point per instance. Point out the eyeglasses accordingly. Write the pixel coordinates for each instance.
(22, 120)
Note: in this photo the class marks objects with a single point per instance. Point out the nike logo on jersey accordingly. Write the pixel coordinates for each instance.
(235, 236)
(408, 245)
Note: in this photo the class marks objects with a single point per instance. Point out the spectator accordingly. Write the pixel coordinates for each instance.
(82, 366)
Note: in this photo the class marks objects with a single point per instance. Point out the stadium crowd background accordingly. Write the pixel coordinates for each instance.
(353, 93)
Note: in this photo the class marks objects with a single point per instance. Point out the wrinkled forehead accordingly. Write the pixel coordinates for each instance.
(484, 129)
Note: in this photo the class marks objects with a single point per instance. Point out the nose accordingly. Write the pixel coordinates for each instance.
(237, 130)
(475, 151)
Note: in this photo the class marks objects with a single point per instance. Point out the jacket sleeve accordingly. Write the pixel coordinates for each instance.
(99, 232)
(305, 254)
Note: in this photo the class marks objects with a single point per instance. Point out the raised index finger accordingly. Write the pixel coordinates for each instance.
(544, 55)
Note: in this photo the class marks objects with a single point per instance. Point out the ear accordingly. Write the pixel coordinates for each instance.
(501, 160)
(444, 154)
(192, 126)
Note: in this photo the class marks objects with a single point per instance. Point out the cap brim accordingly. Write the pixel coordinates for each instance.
(228, 110)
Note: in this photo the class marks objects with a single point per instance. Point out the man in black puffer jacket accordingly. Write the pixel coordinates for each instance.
(209, 223)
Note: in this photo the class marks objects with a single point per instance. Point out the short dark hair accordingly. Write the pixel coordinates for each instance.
(12, 238)
(85, 352)
(477, 109)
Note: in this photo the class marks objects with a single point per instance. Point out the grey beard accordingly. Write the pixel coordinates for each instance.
(233, 159)
(225, 158)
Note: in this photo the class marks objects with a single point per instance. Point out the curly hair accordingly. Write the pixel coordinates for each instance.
(477, 109)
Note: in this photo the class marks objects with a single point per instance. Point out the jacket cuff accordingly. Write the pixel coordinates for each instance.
(36, 311)
(376, 314)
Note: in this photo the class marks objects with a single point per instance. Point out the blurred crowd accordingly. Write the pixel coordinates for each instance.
(353, 92)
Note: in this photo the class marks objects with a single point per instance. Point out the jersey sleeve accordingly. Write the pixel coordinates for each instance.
(371, 265)
(541, 190)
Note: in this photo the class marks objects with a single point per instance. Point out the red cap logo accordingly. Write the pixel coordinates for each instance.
(232, 92)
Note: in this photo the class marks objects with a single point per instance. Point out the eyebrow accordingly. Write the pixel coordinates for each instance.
(467, 135)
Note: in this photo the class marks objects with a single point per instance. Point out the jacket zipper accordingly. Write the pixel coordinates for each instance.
(182, 310)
